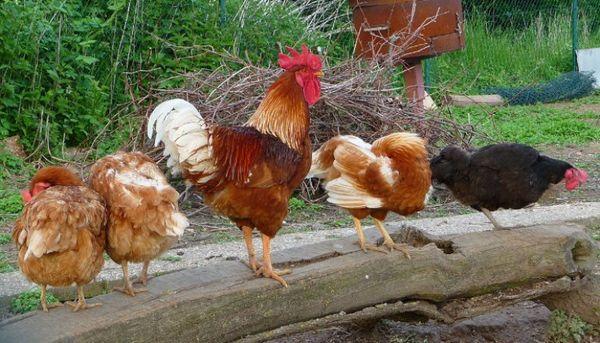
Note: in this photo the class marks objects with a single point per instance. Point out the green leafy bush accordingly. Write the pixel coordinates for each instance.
(68, 65)
(10, 202)
(29, 301)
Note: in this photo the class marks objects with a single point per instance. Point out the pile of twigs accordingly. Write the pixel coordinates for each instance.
(357, 97)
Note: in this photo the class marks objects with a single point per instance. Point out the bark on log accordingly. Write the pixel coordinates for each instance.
(583, 301)
(459, 276)
(470, 100)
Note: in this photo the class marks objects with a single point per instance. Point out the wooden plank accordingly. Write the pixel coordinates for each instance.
(470, 100)
(225, 302)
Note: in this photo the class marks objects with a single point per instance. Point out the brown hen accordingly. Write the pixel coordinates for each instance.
(391, 175)
(143, 216)
(61, 233)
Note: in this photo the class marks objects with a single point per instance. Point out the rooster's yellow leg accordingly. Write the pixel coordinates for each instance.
(492, 219)
(81, 304)
(361, 238)
(388, 241)
(252, 263)
(127, 287)
(45, 305)
(266, 269)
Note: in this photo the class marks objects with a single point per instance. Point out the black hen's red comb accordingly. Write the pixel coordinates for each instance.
(304, 59)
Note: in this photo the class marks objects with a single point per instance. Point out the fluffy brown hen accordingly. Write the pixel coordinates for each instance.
(143, 216)
(391, 175)
(249, 172)
(61, 233)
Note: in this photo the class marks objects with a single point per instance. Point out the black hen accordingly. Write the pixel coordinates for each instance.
(501, 176)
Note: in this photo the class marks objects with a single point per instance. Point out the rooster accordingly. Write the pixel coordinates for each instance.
(60, 235)
(501, 175)
(248, 172)
(143, 216)
(371, 180)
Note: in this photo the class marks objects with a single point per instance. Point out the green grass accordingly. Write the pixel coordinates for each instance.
(565, 328)
(5, 266)
(532, 125)
(340, 223)
(5, 238)
(298, 206)
(595, 231)
(509, 57)
(14, 173)
(29, 301)
(223, 237)
(171, 258)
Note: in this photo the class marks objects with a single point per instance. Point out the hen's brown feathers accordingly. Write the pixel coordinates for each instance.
(61, 235)
(393, 174)
(144, 218)
(56, 176)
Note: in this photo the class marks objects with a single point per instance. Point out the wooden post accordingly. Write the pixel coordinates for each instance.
(414, 84)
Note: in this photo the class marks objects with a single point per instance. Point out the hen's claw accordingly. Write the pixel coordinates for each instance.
(81, 305)
(130, 290)
(398, 246)
(46, 306)
(367, 246)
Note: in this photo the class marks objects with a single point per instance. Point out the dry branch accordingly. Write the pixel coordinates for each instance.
(358, 97)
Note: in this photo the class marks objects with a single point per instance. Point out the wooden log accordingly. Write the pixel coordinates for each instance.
(583, 301)
(224, 302)
(470, 100)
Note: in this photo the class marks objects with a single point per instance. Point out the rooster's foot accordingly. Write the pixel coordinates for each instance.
(274, 274)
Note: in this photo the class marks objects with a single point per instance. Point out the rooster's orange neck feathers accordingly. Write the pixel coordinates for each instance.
(283, 112)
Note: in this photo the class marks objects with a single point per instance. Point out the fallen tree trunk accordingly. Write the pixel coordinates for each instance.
(447, 279)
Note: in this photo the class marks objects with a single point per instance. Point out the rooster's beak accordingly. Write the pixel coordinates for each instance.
(319, 74)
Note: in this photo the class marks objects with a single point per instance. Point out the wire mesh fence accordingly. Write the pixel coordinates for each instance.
(516, 43)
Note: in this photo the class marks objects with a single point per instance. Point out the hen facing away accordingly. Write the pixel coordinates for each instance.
(509, 176)
(143, 216)
(60, 235)
(371, 180)
(248, 172)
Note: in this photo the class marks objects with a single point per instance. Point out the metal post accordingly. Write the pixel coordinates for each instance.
(223, 13)
(574, 31)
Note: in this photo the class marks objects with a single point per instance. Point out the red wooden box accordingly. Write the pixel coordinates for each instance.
(381, 24)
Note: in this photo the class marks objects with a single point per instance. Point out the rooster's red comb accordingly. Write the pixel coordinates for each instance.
(304, 59)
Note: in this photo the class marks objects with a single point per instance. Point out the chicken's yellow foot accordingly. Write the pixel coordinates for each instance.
(45, 305)
(389, 242)
(127, 287)
(81, 304)
(266, 269)
(252, 262)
